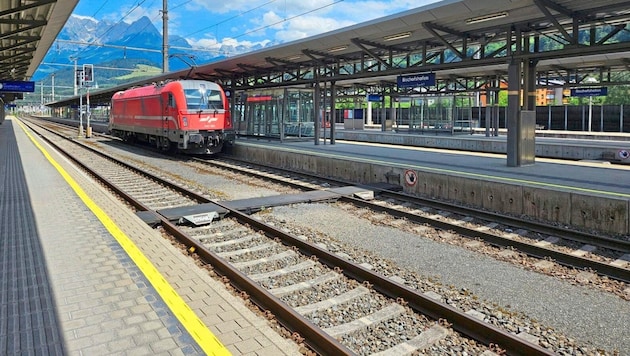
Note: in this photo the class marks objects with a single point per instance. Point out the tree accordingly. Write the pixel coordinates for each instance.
(618, 94)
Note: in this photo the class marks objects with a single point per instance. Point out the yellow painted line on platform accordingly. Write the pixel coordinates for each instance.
(197, 329)
(451, 171)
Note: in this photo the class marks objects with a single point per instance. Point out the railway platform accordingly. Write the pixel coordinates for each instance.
(569, 145)
(80, 274)
(589, 194)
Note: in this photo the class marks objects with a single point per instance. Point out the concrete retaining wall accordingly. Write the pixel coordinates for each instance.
(589, 211)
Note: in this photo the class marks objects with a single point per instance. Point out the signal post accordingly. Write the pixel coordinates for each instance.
(84, 77)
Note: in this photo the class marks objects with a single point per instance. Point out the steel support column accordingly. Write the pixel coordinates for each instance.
(317, 97)
(495, 108)
(529, 80)
(521, 145)
(497, 114)
(333, 98)
(489, 110)
(513, 114)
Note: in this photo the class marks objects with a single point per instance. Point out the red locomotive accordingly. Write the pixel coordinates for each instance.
(190, 116)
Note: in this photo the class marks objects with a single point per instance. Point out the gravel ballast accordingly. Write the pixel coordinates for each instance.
(600, 320)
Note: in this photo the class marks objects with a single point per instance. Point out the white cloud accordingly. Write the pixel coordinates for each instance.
(225, 46)
(290, 20)
(295, 25)
(209, 43)
(212, 24)
(272, 20)
(308, 26)
(85, 18)
(257, 18)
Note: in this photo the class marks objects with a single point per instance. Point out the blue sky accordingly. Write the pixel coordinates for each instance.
(210, 23)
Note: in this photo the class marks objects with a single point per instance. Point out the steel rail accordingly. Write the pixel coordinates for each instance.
(609, 270)
(612, 271)
(467, 325)
(568, 234)
(314, 336)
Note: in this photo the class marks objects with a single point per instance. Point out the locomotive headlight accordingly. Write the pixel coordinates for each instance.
(185, 121)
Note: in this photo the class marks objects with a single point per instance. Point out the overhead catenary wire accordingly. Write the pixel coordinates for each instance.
(287, 19)
(96, 42)
(231, 18)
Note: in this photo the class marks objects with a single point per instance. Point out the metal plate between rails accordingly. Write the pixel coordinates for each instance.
(257, 204)
(175, 214)
(357, 192)
(149, 217)
(200, 219)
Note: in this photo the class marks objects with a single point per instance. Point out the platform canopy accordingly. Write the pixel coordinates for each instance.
(446, 26)
(27, 30)
(460, 40)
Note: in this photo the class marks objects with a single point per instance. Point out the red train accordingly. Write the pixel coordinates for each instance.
(190, 116)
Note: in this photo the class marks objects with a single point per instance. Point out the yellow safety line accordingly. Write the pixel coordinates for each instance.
(443, 170)
(197, 329)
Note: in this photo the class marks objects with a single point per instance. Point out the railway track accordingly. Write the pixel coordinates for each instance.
(295, 280)
(547, 245)
(606, 256)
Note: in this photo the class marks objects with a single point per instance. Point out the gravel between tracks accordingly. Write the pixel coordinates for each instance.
(586, 314)
(596, 318)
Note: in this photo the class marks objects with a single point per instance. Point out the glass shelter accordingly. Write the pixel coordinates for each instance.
(279, 113)
(449, 113)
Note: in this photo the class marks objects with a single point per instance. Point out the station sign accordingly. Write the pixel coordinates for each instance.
(375, 97)
(416, 80)
(16, 86)
(603, 91)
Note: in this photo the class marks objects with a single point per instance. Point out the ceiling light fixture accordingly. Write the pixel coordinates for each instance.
(337, 49)
(292, 58)
(398, 36)
(489, 17)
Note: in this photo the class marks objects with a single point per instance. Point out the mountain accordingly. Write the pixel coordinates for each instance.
(118, 51)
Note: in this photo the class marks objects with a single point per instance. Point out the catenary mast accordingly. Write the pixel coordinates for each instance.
(164, 36)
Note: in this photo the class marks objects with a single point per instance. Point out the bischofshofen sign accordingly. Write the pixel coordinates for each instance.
(416, 80)
(589, 91)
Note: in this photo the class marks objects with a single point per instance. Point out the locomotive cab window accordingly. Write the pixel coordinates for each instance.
(214, 100)
(203, 100)
(171, 100)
